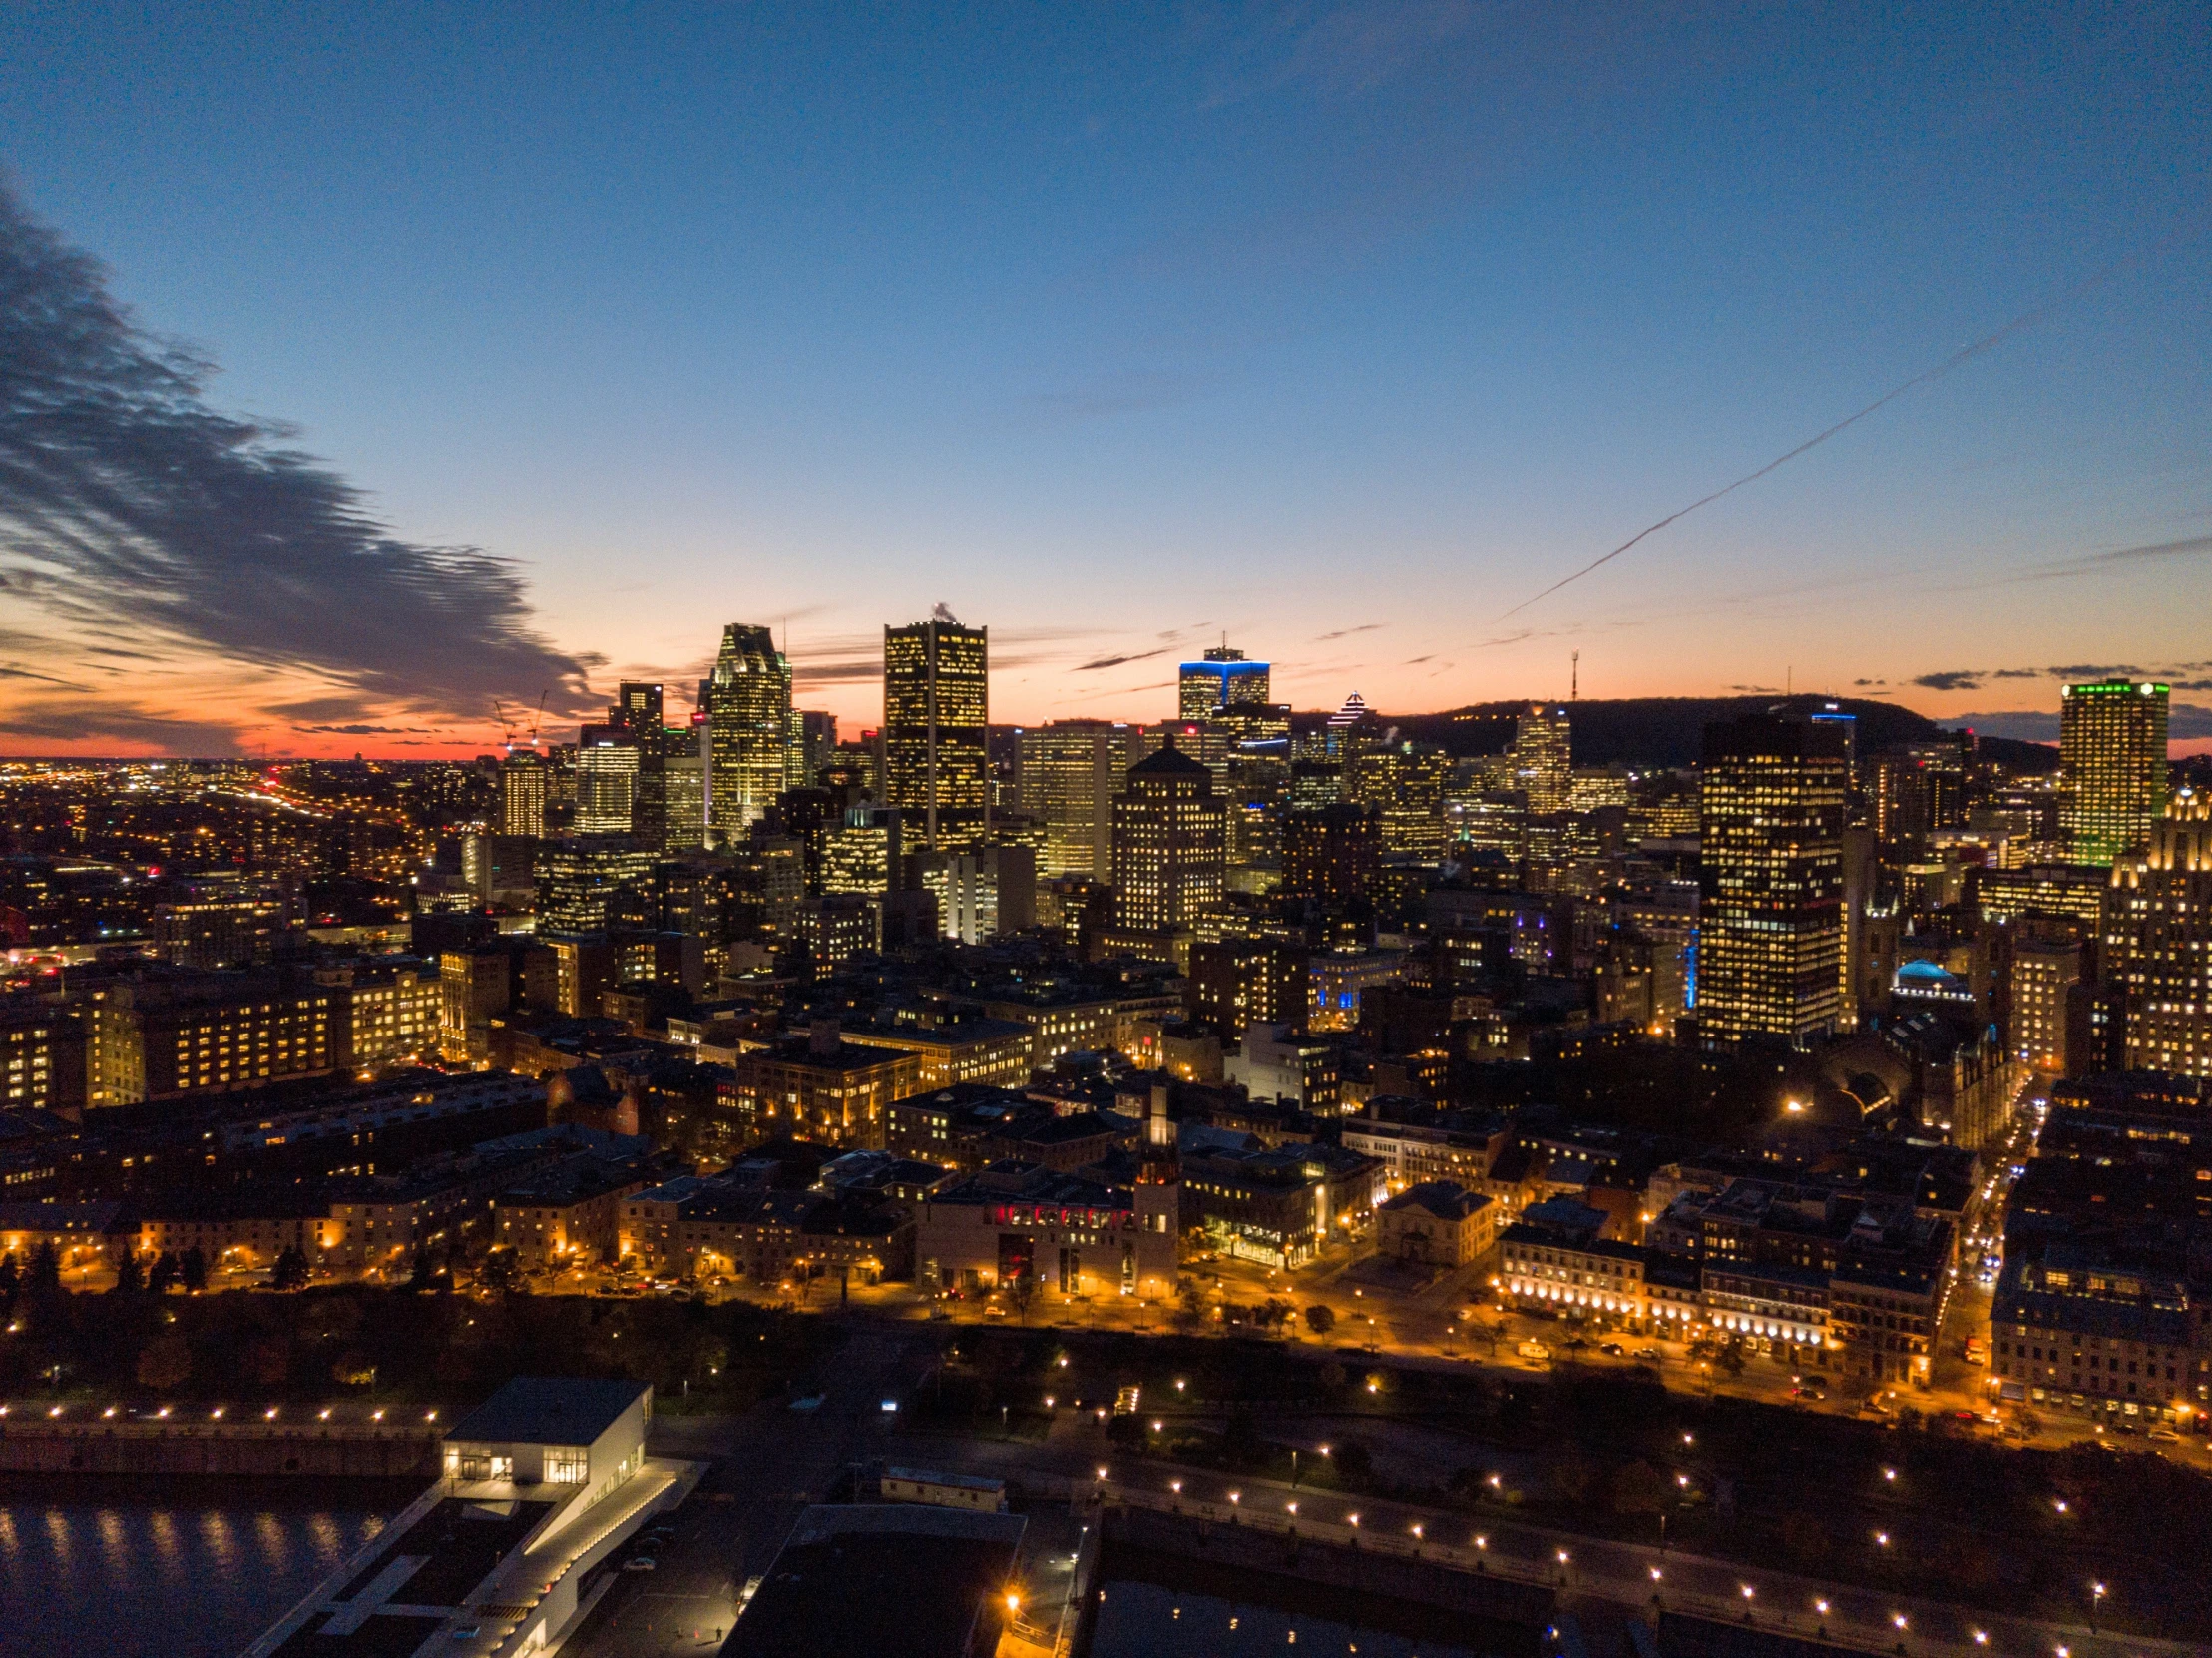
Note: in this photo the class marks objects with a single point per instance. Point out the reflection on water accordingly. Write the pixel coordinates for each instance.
(126, 1579)
(1143, 1620)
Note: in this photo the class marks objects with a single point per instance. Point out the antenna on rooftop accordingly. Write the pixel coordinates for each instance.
(1574, 680)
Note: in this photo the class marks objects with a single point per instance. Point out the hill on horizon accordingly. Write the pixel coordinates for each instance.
(1667, 731)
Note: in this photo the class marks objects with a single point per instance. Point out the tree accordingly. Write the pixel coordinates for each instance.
(11, 1277)
(354, 1369)
(499, 1268)
(1352, 1462)
(1730, 1358)
(45, 1274)
(1320, 1320)
(130, 1274)
(192, 1271)
(1639, 1488)
(165, 1362)
(292, 1269)
(1241, 1445)
(162, 1276)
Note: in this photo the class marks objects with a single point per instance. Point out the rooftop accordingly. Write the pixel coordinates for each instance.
(550, 1410)
(931, 1575)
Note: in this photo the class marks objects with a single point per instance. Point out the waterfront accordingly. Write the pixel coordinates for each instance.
(169, 1569)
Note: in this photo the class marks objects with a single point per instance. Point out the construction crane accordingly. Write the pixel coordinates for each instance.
(536, 720)
(506, 726)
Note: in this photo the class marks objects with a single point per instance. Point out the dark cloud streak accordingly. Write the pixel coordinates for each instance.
(127, 504)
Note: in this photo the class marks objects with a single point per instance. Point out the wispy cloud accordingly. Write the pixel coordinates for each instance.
(2092, 564)
(1347, 632)
(1100, 663)
(127, 504)
(75, 721)
(1950, 680)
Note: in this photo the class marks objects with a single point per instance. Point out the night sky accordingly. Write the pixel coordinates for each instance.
(1341, 330)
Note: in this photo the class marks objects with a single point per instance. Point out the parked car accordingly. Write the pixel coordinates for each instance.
(1615, 1349)
(1648, 1353)
(641, 1562)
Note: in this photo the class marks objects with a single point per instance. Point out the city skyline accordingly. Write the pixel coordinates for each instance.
(1346, 332)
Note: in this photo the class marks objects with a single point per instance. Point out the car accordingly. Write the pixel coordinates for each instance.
(1648, 1353)
(2165, 1436)
(1615, 1349)
(641, 1562)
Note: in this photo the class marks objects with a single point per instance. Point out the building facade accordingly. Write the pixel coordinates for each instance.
(1770, 914)
(2112, 766)
(936, 732)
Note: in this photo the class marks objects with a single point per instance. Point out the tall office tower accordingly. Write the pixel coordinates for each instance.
(588, 884)
(606, 781)
(818, 746)
(2111, 767)
(1330, 855)
(748, 712)
(1404, 785)
(865, 854)
(1170, 845)
(683, 769)
(2158, 942)
(1069, 772)
(1222, 681)
(522, 796)
(1337, 733)
(1207, 741)
(2045, 995)
(1543, 758)
(1771, 923)
(936, 729)
(636, 709)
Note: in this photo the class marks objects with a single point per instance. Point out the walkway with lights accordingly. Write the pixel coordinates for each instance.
(1629, 1574)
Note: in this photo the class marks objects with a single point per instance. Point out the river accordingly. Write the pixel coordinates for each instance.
(164, 1568)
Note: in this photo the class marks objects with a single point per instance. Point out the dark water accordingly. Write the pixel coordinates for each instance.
(1146, 1620)
(162, 1569)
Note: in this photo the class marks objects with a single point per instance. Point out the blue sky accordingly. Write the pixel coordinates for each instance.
(1117, 327)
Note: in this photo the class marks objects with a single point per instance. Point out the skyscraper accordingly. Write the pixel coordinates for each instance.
(817, 745)
(1771, 922)
(637, 708)
(936, 729)
(2158, 942)
(748, 711)
(606, 781)
(1543, 758)
(1071, 770)
(1225, 679)
(2112, 767)
(1170, 845)
(522, 795)
(683, 770)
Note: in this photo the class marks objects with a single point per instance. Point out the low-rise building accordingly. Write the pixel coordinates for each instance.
(818, 1088)
(1017, 1223)
(1435, 1223)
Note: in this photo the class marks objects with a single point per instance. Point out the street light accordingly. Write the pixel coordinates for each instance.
(2096, 1602)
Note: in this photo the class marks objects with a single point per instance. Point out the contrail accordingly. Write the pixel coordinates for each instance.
(1962, 355)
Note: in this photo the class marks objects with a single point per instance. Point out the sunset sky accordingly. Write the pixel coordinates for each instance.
(1343, 329)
